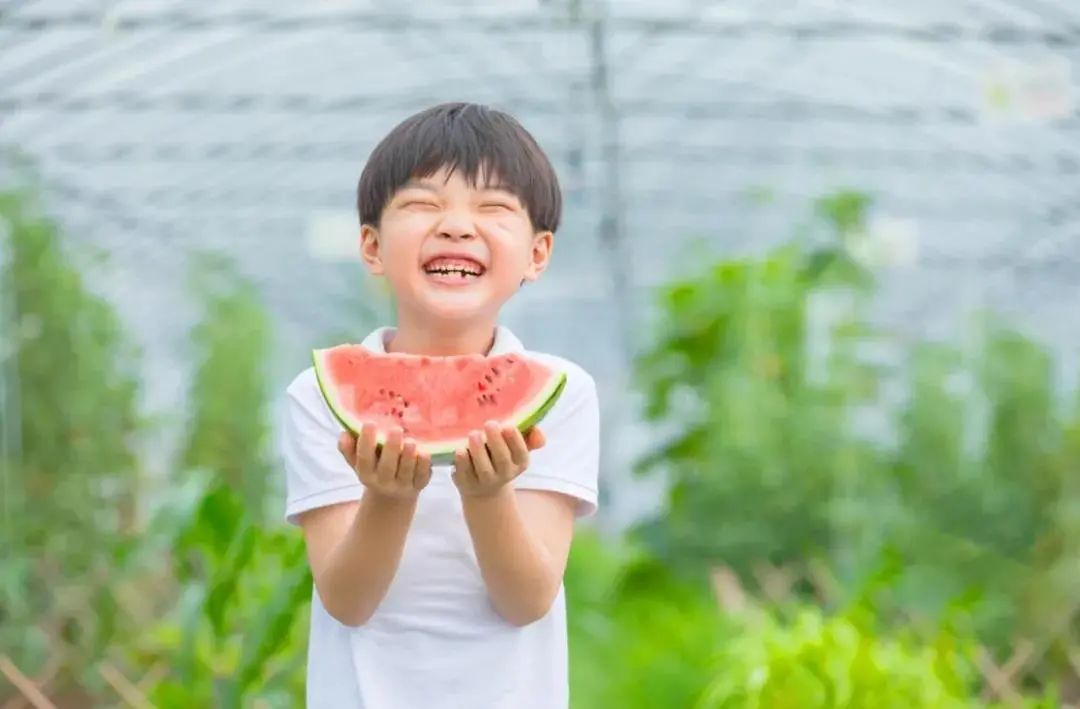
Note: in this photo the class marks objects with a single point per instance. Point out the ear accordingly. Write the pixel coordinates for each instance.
(369, 249)
(540, 255)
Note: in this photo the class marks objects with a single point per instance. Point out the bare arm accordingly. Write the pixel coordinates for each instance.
(522, 539)
(354, 548)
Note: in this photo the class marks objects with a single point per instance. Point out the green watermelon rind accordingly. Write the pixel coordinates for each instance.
(442, 452)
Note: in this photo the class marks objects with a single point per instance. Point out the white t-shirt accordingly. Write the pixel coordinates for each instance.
(435, 642)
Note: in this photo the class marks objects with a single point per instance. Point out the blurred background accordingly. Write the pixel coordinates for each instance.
(821, 256)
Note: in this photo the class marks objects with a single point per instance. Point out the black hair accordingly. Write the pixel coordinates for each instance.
(481, 142)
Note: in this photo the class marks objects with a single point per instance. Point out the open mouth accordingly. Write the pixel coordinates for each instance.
(454, 268)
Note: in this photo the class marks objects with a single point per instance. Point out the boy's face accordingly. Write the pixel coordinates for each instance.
(452, 251)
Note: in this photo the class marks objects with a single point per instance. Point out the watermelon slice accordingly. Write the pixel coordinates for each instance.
(437, 401)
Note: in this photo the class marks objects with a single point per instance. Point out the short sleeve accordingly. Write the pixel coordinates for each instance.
(569, 462)
(316, 475)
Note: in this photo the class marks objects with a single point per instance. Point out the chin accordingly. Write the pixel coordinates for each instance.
(446, 309)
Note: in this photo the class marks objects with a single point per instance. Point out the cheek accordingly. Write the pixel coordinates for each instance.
(505, 225)
(513, 260)
(402, 239)
(510, 240)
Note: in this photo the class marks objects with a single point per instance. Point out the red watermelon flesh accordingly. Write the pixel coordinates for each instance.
(437, 401)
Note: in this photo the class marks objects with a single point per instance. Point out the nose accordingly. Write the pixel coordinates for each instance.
(456, 225)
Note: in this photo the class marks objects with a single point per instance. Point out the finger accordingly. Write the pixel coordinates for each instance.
(481, 461)
(463, 468)
(497, 448)
(346, 445)
(406, 466)
(519, 450)
(535, 438)
(365, 449)
(388, 459)
(422, 475)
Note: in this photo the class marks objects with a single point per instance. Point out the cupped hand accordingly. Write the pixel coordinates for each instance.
(494, 456)
(394, 470)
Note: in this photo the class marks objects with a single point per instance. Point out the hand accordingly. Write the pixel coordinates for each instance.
(397, 471)
(494, 457)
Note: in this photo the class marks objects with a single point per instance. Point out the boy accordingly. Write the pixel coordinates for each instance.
(442, 587)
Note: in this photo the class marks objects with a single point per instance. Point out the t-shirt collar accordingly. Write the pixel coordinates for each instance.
(505, 341)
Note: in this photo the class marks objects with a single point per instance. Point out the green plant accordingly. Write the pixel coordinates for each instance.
(980, 471)
(71, 497)
(640, 636)
(759, 369)
(228, 431)
(764, 457)
(819, 662)
(238, 630)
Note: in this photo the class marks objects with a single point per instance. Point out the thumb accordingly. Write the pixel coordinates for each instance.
(534, 438)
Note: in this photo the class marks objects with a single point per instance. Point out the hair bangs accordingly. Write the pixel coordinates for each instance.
(487, 148)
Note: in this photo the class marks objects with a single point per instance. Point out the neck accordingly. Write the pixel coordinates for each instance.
(414, 337)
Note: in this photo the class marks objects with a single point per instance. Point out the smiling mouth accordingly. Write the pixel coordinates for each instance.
(454, 268)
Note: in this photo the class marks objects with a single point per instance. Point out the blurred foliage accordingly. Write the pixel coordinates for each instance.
(642, 636)
(763, 440)
(71, 484)
(957, 527)
(239, 625)
(73, 555)
(229, 430)
(981, 471)
(761, 369)
(820, 662)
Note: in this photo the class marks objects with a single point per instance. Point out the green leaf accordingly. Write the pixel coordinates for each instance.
(270, 633)
(224, 582)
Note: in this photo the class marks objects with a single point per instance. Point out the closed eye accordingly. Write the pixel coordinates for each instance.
(497, 205)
